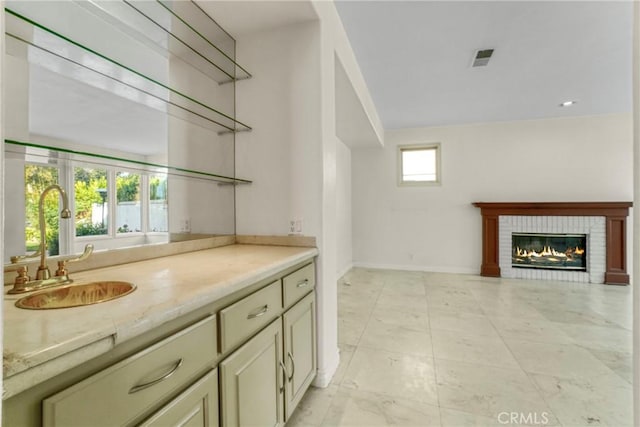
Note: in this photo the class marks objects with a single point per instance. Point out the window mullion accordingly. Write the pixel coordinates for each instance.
(67, 227)
(112, 202)
(144, 202)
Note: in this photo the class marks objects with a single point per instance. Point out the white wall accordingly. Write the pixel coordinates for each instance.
(437, 228)
(299, 168)
(16, 125)
(344, 244)
(282, 154)
(288, 156)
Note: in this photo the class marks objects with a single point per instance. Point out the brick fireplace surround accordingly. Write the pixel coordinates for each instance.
(614, 213)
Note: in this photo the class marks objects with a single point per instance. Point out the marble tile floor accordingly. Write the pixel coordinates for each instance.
(451, 350)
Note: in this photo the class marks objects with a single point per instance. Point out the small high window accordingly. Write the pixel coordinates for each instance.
(419, 164)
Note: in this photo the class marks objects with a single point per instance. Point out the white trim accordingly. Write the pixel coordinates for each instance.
(425, 268)
(344, 271)
(324, 376)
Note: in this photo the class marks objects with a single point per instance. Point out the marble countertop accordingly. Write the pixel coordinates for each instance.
(39, 344)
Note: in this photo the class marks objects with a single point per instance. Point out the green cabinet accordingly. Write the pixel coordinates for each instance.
(299, 325)
(246, 360)
(252, 380)
(262, 382)
(122, 393)
(195, 407)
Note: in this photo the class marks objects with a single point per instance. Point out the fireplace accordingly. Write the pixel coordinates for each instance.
(604, 223)
(553, 251)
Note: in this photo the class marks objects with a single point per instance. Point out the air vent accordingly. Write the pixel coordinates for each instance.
(482, 57)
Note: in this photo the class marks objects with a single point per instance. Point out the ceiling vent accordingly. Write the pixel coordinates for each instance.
(481, 59)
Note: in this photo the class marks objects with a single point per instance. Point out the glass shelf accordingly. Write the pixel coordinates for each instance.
(179, 28)
(30, 149)
(58, 53)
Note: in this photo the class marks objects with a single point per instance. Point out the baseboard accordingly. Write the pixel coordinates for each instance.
(344, 271)
(425, 268)
(325, 374)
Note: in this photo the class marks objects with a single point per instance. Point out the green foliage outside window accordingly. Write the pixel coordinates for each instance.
(88, 183)
(90, 186)
(157, 188)
(128, 187)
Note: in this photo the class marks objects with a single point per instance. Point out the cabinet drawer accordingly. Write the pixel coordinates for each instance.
(124, 391)
(196, 406)
(250, 314)
(298, 284)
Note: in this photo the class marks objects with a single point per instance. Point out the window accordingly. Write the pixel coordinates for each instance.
(113, 207)
(128, 208)
(419, 164)
(91, 201)
(158, 207)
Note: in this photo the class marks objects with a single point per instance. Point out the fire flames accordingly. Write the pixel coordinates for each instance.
(548, 251)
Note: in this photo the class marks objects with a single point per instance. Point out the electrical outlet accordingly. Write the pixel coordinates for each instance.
(185, 226)
(295, 226)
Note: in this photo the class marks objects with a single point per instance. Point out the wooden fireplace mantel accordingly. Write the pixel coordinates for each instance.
(616, 214)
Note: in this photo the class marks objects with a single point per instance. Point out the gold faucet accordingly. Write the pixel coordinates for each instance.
(23, 282)
(43, 270)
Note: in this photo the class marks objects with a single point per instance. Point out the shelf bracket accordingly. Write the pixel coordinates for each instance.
(225, 132)
(237, 79)
(235, 183)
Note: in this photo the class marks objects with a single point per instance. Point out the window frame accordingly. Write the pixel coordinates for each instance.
(417, 147)
(106, 241)
(68, 240)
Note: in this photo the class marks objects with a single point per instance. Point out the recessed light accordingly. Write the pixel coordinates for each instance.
(568, 103)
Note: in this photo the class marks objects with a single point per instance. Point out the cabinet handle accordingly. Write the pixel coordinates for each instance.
(302, 283)
(261, 312)
(284, 374)
(293, 366)
(140, 387)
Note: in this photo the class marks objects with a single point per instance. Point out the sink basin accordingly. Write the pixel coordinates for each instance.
(76, 295)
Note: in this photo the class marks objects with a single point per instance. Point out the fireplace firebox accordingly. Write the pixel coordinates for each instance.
(549, 251)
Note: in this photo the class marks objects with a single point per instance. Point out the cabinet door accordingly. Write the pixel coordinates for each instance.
(195, 407)
(300, 350)
(252, 381)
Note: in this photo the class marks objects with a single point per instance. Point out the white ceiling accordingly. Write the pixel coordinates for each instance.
(67, 109)
(416, 59)
(240, 17)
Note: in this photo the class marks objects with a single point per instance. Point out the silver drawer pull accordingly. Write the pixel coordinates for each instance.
(140, 387)
(293, 366)
(302, 283)
(285, 375)
(259, 313)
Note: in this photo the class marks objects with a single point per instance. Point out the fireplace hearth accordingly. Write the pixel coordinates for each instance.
(553, 251)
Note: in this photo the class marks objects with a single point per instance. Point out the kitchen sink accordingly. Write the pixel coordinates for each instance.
(76, 295)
